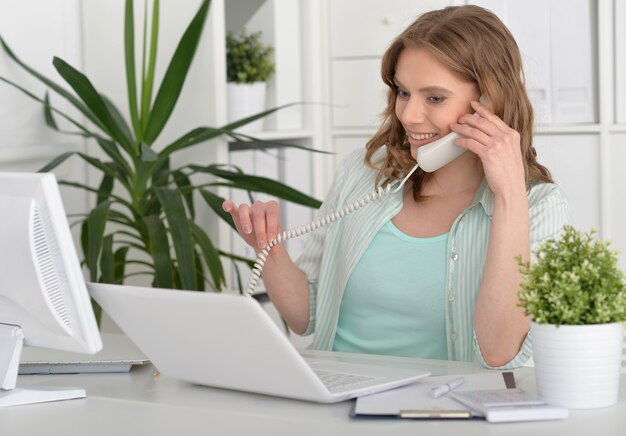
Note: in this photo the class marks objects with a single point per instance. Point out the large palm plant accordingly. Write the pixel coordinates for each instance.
(145, 209)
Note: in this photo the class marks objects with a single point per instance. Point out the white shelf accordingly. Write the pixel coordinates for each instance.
(564, 129)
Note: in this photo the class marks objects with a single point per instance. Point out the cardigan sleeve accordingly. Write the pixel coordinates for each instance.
(548, 213)
(311, 258)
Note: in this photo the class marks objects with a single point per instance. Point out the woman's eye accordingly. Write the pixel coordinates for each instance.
(403, 94)
(436, 100)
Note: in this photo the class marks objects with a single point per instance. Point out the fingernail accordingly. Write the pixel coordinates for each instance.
(262, 244)
(226, 208)
(247, 228)
(271, 236)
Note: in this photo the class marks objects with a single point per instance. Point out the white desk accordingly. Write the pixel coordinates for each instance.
(140, 403)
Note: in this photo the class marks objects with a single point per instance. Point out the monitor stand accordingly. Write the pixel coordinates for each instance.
(11, 344)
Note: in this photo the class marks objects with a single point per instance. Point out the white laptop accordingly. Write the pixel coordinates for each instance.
(229, 341)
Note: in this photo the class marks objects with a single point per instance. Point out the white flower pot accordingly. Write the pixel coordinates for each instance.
(244, 100)
(578, 366)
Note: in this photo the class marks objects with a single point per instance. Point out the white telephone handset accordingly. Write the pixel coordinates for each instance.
(430, 157)
(433, 156)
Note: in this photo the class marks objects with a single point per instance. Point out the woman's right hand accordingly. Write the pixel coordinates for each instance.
(257, 224)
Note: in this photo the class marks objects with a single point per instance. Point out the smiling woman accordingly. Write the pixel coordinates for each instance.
(430, 271)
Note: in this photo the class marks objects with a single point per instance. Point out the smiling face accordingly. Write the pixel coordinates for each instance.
(430, 97)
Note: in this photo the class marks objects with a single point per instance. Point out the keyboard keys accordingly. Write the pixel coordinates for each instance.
(339, 380)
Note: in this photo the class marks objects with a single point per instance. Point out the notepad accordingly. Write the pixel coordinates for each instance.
(415, 400)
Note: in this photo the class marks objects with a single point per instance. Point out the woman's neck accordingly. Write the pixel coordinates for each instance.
(458, 177)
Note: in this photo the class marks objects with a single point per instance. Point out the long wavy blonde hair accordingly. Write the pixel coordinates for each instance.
(473, 43)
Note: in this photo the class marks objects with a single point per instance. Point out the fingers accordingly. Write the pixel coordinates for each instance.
(484, 130)
(487, 114)
(258, 224)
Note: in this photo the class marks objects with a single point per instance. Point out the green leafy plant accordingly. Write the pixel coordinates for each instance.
(145, 213)
(575, 281)
(247, 59)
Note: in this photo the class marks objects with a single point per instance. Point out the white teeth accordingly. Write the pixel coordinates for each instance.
(422, 136)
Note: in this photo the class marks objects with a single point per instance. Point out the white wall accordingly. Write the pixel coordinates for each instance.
(37, 30)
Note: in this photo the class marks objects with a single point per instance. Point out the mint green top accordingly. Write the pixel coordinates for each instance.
(394, 302)
(331, 253)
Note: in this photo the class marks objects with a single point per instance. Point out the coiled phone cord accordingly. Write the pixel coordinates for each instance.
(317, 224)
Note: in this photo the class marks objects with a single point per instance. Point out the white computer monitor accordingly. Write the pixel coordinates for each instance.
(43, 297)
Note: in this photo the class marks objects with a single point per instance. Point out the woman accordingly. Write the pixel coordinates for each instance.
(430, 271)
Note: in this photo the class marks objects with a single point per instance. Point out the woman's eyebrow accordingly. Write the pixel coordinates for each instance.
(397, 83)
(436, 90)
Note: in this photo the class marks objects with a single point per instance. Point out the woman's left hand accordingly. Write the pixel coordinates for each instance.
(498, 147)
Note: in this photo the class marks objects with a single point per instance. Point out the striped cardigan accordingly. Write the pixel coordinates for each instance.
(332, 252)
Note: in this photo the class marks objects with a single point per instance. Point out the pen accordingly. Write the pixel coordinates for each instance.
(435, 414)
(447, 387)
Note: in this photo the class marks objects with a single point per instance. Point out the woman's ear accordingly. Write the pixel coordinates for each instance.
(484, 100)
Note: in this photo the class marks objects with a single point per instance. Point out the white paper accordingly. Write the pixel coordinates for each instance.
(417, 396)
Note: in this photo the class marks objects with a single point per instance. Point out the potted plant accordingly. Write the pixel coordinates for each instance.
(575, 297)
(248, 67)
(145, 206)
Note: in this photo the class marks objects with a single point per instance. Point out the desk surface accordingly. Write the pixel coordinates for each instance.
(142, 403)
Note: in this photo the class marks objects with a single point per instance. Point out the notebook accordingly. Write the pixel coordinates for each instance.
(118, 354)
(416, 401)
(228, 341)
(489, 395)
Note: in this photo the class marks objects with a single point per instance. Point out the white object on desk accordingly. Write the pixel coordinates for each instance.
(509, 405)
(417, 397)
(439, 391)
(118, 354)
(229, 341)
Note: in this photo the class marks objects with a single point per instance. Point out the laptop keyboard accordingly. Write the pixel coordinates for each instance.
(340, 380)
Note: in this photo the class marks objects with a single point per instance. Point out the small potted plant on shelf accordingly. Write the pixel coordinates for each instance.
(575, 297)
(249, 66)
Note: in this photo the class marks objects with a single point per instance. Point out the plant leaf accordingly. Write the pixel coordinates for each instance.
(58, 89)
(117, 117)
(131, 74)
(172, 83)
(105, 189)
(252, 118)
(85, 90)
(160, 251)
(96, 223)
(87, 188)
(148, 74)
(47, 112)
(107, 271)
(211, 256)
(56, 162)
(107, 169)
(186, 189)
(215, 202)
(111, 149)
(84, 131)
(260, 184)
(180, 232)
(119, 262)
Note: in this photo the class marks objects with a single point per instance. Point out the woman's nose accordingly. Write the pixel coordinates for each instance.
(413, 112)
